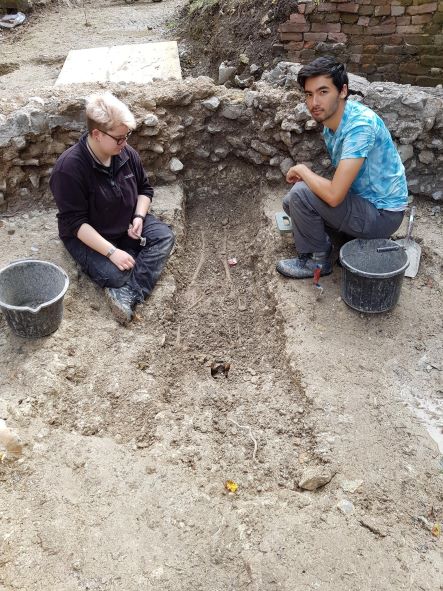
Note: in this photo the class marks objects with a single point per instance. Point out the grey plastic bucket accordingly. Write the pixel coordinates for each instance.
(31, 297)
(372, 278)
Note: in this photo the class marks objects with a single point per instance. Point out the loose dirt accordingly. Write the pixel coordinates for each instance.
(129, 439)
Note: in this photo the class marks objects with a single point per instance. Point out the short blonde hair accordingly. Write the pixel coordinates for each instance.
(105, 111)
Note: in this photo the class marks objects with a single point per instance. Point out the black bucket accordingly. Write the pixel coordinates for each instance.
(373, 272)
(31, 297)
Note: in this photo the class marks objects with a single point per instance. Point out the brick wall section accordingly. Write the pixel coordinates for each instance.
(397, 40)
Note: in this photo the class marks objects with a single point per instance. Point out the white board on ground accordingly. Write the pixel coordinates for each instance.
(138, 63)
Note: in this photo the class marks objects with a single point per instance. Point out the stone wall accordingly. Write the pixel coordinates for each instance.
(397, 40)
(195, 125)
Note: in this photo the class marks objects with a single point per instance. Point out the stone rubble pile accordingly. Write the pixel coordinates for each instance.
(194, 124)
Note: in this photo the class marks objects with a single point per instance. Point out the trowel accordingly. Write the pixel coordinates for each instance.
(413, 250)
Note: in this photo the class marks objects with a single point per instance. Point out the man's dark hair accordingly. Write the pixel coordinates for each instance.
(325, 66)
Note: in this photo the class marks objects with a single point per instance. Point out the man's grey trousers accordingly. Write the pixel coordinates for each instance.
(354, 216)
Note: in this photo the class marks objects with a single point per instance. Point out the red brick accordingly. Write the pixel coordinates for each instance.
(294, 56)
(307, 54)
(419, 39)
(410, 49)
(366, 10)
(433, 28)
(317, 18)
(424, 50)
(403, 20)
(420, 19)
(378, 39)
(355, 58)
(349, 19)
(388, 72)
(382, 10)
(435, 61)
(406, 79)
(368, 68)
(326, 7)
(363, 21)
(301, 8)
(408, 29)
(315, 36)
(337, 37)
(295, 45)
(370, 49)
(351, 7)
(293, 27)
(291, 36)
(386, 59)
(369, 58)
(413, 68)
(422, 9)
(393, 49)
(397, 10)
(330, 18)
(310, 7)
(382, 30)
(297, 18)
(309, 44)
(352, 29)
(326, 27)
(427, 81)
(375, 21)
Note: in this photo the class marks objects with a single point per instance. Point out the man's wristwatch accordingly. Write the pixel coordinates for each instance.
(139, 215)
(111, 251)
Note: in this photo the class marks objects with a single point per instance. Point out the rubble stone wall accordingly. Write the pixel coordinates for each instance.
(194, 125)
(397, 40)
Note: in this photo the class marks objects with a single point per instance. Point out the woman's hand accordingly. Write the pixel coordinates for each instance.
(122, 259)
(135, 229)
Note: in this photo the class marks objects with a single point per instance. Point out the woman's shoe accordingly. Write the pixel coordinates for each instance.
(122, 301)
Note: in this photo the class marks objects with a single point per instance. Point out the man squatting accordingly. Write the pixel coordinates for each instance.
(367, 195)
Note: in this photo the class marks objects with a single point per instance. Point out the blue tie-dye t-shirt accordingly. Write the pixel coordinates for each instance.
(362, 134)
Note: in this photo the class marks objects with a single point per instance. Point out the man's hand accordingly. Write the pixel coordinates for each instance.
(135, 229)
(294, 174)
(331, 192)
(122, 259)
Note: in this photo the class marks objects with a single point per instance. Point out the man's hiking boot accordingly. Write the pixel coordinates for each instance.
(122, 301)
(304, 266)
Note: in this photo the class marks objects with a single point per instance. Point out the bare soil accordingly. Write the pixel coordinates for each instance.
(129, 439)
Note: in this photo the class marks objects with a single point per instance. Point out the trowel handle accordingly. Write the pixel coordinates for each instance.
(411, 222)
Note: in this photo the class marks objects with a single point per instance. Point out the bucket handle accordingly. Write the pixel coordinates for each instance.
(388, 248)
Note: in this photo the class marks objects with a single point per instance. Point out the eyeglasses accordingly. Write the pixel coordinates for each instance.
(118, 140)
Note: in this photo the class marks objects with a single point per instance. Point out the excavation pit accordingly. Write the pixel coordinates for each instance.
(128, 438)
